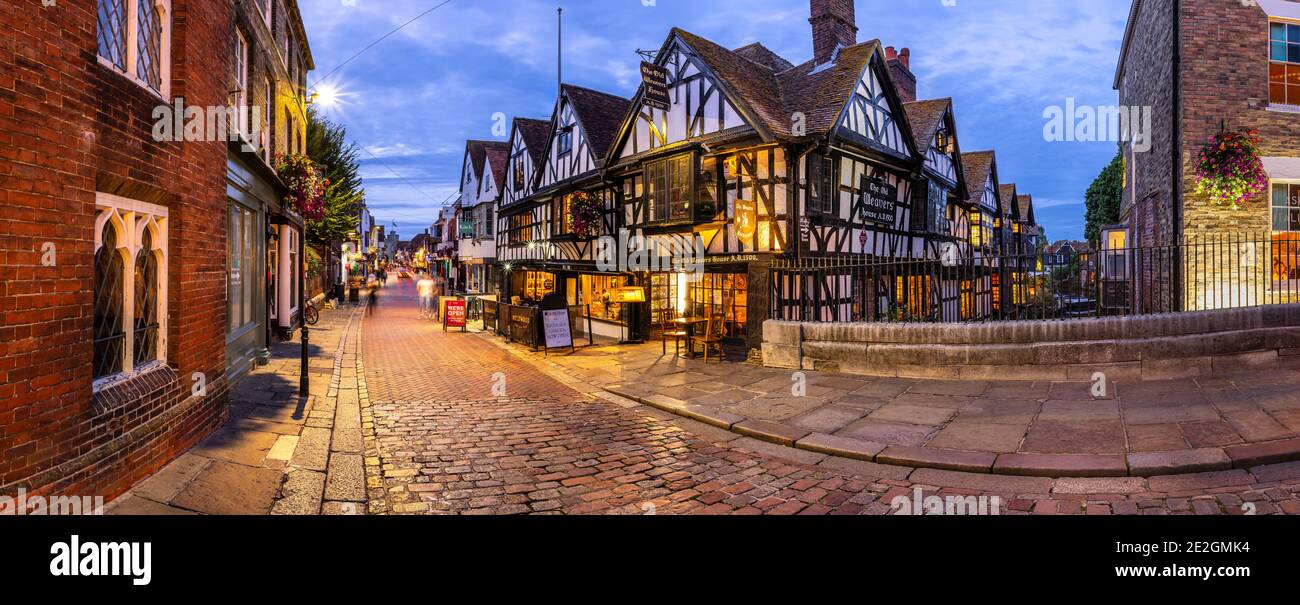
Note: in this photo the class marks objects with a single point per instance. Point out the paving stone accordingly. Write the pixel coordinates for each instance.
(840, 446)
(1100, 485)
(1147, 464)
(827, 419)
(301, 494)
(346, 479)
(934, 458)
(998, 484)
(980, 436)
(243, 447)
(1061, 465)
(226, 488)
(1287, 471)
(313, 449)
(1257, 425)
(1155, 437)
(1257, 454)
(774, 432)
(347, 441)
(711, 415)
(1200, 481)
(889, 433)
(1075, 437)
(913, 414)
(768, 448)
(138, 506)
(167, 483)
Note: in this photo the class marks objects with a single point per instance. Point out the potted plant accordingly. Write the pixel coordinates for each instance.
(306, 185)
(1229, 169)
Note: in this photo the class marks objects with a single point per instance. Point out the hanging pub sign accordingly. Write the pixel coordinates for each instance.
(746, 219)
(878, 201)
(655, 81)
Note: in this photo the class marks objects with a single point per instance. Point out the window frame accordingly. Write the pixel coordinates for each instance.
(670, 166)
(1293, 189)
(129, 219)
(564, 141)
(1290, 43)
(132, 45)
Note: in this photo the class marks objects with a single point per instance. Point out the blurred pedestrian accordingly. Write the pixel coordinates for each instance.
(425, 288)
(372, 303)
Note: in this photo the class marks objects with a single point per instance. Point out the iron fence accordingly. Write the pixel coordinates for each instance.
(961, 285)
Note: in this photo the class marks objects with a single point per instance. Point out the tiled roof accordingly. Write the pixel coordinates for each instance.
(477, 150)
(926, 117)
(977, 165)
(1026, 208)
(534, 133)
(772, 91)
(498, 155)
(762, 55)
(1009, 204)
(601, 115)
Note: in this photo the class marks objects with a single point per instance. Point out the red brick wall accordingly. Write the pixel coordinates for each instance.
(70, 127)
(1225, 81)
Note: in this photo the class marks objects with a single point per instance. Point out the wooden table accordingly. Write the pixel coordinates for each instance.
(689, 323)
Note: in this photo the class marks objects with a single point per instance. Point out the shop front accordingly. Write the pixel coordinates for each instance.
(595, 293)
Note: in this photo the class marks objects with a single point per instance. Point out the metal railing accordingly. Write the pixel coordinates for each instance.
(1202, 273)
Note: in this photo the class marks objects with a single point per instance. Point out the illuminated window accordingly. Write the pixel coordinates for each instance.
(1284, 63)
(977, 235)
(669, 185)
(1286, 207)
(145, 57)
(130, 286)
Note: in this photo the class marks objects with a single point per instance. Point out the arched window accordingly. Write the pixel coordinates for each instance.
(109, 338)
(145, 58)
(145, 344)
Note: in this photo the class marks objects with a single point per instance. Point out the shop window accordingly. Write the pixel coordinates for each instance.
(241, 276)
(595, 290)
(821, 185)
(710, 295)
(1286, 231)
(533, 285)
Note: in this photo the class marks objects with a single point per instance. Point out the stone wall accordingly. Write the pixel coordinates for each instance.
(1155, 347)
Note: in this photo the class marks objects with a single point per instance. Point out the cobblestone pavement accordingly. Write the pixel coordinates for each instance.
(440, 442)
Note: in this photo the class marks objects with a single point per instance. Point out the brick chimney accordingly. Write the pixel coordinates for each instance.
(833, 25)
(900, 71)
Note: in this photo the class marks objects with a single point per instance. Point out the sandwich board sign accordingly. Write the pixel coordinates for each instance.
(454, 315)
(558, 329)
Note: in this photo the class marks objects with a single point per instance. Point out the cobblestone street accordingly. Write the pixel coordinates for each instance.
(440, 442)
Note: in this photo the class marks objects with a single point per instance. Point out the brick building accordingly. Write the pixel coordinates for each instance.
(1203, 67)
(113, 299)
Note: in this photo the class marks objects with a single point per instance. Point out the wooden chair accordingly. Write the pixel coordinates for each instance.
(668, 329)
(713, 336)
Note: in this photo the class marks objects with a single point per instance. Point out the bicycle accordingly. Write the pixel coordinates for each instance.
(311, 314)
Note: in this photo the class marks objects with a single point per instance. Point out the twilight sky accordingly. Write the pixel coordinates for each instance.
(413, 99)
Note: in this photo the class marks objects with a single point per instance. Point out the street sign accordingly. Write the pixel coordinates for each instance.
(654, 80)
(454, 315)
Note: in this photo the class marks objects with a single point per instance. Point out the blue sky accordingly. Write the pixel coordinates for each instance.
(413, 99)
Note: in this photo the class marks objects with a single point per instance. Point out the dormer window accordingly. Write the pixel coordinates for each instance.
(943, 141)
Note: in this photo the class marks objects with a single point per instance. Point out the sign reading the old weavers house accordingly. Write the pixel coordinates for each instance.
(878, 201)
(655, 82)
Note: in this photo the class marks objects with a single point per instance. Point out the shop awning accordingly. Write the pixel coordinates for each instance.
(1282, 168)
(1280, 8)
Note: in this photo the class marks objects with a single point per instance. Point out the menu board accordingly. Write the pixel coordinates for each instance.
(559, 332)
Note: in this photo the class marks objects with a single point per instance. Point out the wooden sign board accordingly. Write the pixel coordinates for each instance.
(655, 82)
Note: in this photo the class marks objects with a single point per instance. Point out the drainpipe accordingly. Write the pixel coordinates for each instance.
(1177, 173)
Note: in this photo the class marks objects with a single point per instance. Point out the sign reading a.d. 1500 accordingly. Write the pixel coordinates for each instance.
(878, 201)
(655, 84)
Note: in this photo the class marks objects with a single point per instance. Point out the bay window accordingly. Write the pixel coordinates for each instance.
(134, 39)
(668, 188)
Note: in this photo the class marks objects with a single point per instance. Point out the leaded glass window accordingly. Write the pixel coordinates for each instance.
(109, 337)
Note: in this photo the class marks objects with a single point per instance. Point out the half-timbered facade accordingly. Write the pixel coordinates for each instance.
(546, 244)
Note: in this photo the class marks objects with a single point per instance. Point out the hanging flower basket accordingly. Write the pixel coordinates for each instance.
(306, 185)
(1229, 170)
(586, 214)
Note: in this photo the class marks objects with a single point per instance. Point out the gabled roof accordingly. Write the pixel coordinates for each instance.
(600, 113)
(764, 56)
(477, 152)
(752, 85)
(1026, 214)
(498, 155)
(1010, 200)
(534, 135)
(925, 118)
(978, 166)
(821, 92)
